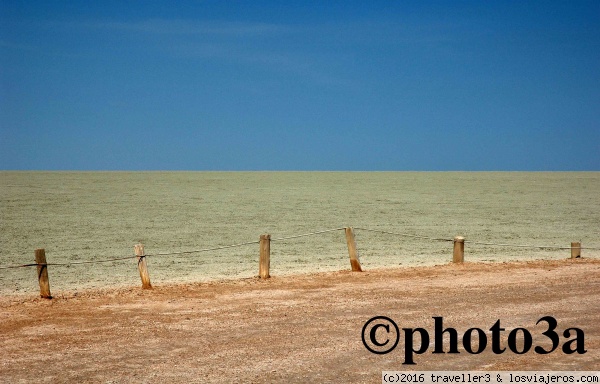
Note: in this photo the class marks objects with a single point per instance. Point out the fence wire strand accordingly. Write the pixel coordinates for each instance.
(403, 234)
(69, 263)
(202, 250)
(308, 234)
(526, 246)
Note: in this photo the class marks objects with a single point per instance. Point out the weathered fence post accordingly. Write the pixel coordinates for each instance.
(42, 272)
(575, 250)
(142, 266)
(458, 255)
(264, 263)
(352, 252)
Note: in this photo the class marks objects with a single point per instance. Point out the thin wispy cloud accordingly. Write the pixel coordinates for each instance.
(184, 27)
(246, 44)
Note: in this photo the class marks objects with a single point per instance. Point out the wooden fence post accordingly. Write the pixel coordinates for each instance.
(458, 255)
(264, 262)
(142, 266)
(575, 250)
(352, 252)
(42, 272)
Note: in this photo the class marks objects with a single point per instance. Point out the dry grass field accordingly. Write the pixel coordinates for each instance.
(294, 329)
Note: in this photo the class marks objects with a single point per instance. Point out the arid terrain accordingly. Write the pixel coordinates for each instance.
(303, 328)
(97, 216)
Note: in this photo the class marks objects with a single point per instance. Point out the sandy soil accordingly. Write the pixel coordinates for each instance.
(303, 328)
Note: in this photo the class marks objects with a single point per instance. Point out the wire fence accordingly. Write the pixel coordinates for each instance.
(195, 251)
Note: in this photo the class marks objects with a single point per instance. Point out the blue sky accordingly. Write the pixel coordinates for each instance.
(281, 85)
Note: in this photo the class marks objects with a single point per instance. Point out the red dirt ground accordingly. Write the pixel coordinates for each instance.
(304, 328)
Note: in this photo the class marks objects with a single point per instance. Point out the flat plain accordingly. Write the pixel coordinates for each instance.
(86, 216)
